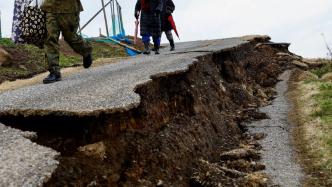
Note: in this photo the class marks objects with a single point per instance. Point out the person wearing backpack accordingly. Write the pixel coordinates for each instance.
(166, 26)
(63, 16)
(150, 22)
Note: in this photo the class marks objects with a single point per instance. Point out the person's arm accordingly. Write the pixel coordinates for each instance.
(170, 7)
(137, 9)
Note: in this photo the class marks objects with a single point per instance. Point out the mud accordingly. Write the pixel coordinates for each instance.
(180, 133)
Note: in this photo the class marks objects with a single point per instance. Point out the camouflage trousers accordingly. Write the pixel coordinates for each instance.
(67, 24)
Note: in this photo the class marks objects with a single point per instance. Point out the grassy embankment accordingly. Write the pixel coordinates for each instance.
(28, 60)
(312, 95)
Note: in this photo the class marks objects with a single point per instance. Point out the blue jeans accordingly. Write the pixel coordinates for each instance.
(146, 39)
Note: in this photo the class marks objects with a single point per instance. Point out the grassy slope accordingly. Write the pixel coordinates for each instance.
(313, 113)
(28, 60)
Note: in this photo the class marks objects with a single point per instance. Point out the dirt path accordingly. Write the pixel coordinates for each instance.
(278, 154)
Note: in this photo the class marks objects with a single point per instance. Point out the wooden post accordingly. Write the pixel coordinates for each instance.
(105, 17)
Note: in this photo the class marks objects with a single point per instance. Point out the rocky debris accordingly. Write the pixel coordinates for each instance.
(241, 153)
(300, 64)
(214, 175)
(291, 55)
(97, 150)
(5, 57)
(244, 165)
(211, 174)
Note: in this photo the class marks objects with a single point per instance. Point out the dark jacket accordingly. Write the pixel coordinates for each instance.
(150, 16)
(62, 6)
(149, 5)
(168, 9)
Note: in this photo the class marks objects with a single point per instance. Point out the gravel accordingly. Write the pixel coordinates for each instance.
(278, 152)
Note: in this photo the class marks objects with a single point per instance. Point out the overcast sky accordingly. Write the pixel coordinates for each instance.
(299, 22)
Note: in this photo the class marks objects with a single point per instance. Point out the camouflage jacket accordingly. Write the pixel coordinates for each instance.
(62, 6)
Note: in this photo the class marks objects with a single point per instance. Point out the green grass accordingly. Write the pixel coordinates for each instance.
(324, 99)
(6, 42)
(69, 61)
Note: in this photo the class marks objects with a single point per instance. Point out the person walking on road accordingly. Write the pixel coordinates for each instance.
(166, 26)
(150, 22)
(63, 16)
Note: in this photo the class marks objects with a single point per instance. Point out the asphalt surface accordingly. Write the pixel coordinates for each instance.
(278, 153)
(22, 162)
(108, 88)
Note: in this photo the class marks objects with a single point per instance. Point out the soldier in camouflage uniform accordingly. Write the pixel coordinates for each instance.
(63, 16)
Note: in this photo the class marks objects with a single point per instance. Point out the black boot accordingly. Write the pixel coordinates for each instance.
(171, 42)
(156, 49)
(147, 49)
(87, 61)
(52, 77)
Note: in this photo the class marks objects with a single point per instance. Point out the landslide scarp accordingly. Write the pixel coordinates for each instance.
(183, 126)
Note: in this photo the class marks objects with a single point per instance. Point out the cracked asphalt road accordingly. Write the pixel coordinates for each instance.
(108, 88)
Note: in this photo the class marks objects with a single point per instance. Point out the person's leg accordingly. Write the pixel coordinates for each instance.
(156, 42)
(170, 38)
(69, 24)
(146, 41)
(52, 48)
